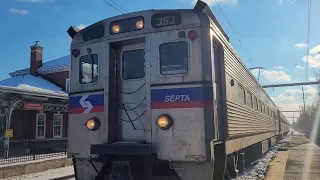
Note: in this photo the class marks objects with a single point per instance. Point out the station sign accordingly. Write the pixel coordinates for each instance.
(32, 106)
(8, 133)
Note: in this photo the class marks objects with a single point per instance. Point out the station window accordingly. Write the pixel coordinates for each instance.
(249, 99)
(174, 58)
(88, 69)
(133, 64)
(2, 121)
(241, 95)
(57, 125)
(41, 126)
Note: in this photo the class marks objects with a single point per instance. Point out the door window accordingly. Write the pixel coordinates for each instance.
(133, 64)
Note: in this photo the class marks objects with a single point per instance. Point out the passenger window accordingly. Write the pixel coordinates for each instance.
(255, 105)
(259, 105)
(270, 113)
(266, 110)
(174, 58)
(133, 64)
(88, 69)
(241, 95)
(249, 99)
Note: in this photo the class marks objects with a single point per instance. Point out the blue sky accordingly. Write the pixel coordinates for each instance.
(274, 32)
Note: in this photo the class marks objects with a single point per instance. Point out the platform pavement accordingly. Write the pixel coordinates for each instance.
(290, 164)
(302, 152)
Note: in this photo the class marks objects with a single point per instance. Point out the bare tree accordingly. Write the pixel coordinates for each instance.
(306, 119)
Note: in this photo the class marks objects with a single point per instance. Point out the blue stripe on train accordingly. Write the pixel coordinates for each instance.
(181, 97)
(94, 99)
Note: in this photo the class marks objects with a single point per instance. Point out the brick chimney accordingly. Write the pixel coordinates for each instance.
(35, 58)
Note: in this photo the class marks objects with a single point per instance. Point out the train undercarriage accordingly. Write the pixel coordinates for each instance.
(136, 162)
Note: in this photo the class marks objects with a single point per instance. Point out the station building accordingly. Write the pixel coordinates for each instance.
(34, 100)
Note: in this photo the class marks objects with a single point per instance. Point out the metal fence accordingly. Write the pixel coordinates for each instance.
(28, 150)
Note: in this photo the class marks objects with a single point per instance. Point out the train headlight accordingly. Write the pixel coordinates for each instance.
(164, 122)
(115, 28)
(139, 24)
(93, 124)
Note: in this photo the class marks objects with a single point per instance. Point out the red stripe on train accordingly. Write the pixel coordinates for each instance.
(80, 110)
(190, 104)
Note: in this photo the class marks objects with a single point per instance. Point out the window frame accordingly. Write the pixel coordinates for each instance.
(61, 125)
(80, 70)
(37, 126)
(159, 59)
(122, 66)
(259, 106)
(249, 94)
(255, 104)
(244, 94)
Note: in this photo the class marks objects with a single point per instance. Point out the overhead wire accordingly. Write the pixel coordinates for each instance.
(118, 6)
(227, 22)
(117, 9)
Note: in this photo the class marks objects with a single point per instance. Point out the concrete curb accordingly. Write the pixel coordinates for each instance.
(20, 169)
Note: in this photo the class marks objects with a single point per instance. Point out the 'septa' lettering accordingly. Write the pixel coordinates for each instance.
(174, 98)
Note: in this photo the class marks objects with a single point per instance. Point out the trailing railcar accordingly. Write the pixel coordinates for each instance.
(161, 94)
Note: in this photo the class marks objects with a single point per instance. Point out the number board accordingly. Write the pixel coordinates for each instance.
(165, 19)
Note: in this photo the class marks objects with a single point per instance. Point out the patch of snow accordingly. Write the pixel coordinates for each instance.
(60, 62)
(49, 174)
(258, 168)
(294, 132)
(29, 82)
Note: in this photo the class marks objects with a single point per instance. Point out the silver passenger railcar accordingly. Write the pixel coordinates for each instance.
(161, 94)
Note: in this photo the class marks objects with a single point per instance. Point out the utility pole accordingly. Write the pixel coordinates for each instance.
(304, 103)
(294, 128)
(258, 72)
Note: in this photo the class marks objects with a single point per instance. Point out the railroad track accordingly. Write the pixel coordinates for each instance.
(64, 177)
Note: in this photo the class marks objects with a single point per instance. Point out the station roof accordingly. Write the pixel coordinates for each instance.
(31, 85)
(55, 65)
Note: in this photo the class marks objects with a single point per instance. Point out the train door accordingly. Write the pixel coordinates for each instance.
(132, 93)
(217, 56)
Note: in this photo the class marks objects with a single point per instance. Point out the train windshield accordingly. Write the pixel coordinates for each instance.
(174, 58)
(88, 69)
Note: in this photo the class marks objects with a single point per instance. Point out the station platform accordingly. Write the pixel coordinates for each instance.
(300, 162)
